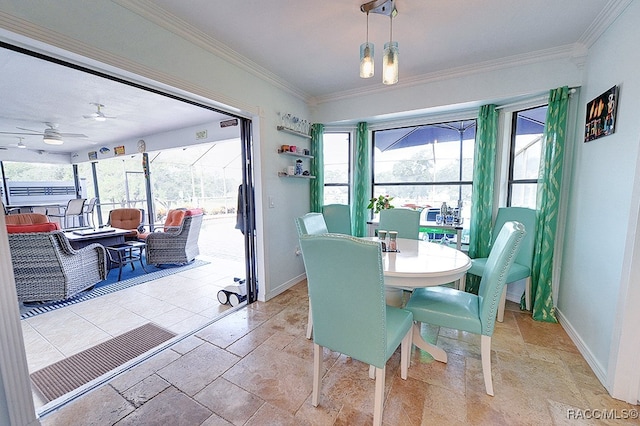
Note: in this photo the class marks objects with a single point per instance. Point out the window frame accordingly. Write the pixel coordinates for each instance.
(511, 181)
(350, 157)
(413, 123)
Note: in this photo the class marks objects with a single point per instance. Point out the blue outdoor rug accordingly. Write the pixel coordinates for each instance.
(110, 285)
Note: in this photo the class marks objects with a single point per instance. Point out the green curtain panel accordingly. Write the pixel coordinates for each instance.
(548, 200)
(484, 162)
(361, 181)
(317, 168)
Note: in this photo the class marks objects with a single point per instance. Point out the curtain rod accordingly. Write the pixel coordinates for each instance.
(533, 99)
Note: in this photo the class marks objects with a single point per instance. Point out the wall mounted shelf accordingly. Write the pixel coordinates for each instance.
(283, 174)
(293, 132)
(294, 154)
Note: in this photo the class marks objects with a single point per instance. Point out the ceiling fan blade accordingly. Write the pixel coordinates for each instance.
(73, 135)
(21, 133)
(29, 130)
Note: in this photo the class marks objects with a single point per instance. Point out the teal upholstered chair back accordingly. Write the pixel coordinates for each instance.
(338, 218)
(526, 217)
(311, 223)
(346, 289)
(405, 221)
(503, 254)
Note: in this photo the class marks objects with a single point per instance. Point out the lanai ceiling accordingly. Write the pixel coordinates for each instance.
(309, 47)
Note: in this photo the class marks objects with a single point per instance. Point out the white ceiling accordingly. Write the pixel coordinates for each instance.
(310, 46)
(314, 45)
(36, 92)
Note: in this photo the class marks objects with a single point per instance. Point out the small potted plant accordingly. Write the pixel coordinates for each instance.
(381, 202)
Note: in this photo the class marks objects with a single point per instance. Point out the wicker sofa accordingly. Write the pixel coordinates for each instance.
(46, 267)
(177, 245)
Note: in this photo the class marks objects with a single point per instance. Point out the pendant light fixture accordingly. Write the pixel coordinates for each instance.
(390, 58)
(366, 56)
(391, 52)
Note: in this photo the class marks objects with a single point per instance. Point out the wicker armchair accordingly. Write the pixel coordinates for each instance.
(176, 246)
(46, 267)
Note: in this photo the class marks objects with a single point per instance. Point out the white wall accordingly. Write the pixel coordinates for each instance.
(603, 205)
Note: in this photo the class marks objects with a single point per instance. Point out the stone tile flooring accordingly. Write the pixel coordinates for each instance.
(254, 367)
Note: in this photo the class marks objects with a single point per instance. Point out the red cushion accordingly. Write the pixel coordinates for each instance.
(174, 219)
(37, 227)
(26, 218)
(193, 212)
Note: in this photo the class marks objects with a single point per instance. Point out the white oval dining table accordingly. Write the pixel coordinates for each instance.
(418, 264)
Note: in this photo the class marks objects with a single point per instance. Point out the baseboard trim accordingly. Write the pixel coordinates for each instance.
(285, 286)
(598, 370)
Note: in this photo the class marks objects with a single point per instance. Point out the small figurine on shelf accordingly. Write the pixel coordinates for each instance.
(298, 167)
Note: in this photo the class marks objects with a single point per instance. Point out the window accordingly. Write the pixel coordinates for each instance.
(524, 160)
(337, 177)
(426, 165)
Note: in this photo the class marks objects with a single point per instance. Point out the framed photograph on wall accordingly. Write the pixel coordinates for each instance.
(601, 115)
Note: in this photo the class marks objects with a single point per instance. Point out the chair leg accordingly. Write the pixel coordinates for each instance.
(372, 372)
(405, 353)
(378, 404)
(462, 283)
(527, 293)
(317, 374)
(309, 322)
(485, 353)
(503, 300)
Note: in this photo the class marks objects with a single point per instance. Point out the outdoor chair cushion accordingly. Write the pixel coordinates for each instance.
(35, 227)
(26, 218)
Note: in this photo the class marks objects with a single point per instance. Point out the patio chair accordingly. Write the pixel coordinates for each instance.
(177, 245)
(46, 267)
(126, 218)
(87, 212)
(73, 211)
(172, 222)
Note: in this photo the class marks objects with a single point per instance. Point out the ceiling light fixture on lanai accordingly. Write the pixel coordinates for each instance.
(98, 115)
(50, 136)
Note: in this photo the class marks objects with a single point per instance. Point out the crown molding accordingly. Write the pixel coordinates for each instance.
(605, 18)
(561, 52)
(153, 13)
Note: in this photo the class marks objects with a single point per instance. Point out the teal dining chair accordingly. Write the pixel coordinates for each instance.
(405, 221)
(311, 224)
(350, 315)
(521, 268)
(452, 308)
(337, 218)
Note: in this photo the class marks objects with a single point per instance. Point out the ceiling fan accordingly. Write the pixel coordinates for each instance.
(98, 115)
(51, 134)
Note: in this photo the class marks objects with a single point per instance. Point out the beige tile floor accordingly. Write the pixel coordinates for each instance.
(254, 367)
(180, 303)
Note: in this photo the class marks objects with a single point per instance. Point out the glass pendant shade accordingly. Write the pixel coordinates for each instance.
(366, 60)
(390, 63)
